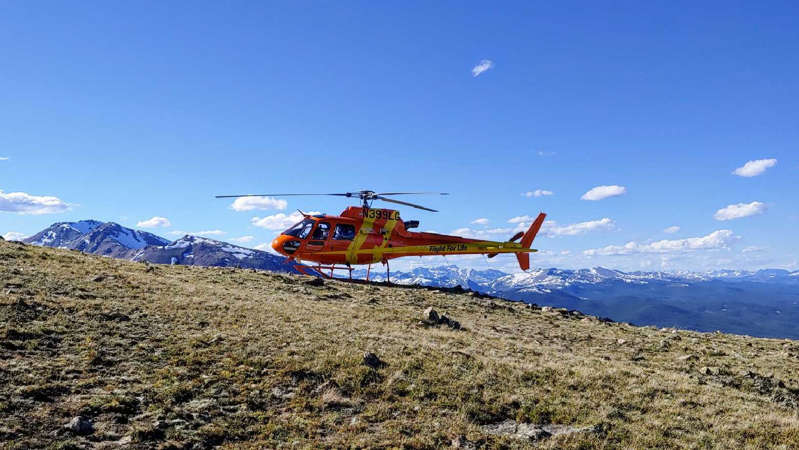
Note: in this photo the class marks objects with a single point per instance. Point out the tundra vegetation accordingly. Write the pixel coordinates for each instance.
(98, 352)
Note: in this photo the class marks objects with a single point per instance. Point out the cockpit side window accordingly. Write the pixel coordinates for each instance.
(344, 232)
(321, 231)
(301, 229)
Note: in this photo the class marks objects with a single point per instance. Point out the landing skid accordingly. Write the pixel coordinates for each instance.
(325, 271)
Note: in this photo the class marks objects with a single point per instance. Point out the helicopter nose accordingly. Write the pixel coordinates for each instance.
(286, 245)
(277, 244)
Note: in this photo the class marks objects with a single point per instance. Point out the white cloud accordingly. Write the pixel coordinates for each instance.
(279, 221)
(542, 153)
(14, 236)
(551, 228)
(755, 167)
(672, 229)
(262, 203)
(482, 67)
(489, 234)
(719, 239)
(603, 192)
(264, 247)
(740, 210)
(243, 239)
(480, 221)
(3, 158)
(753, 249)
(22, 203)
(537, 193)
(155, 222)
(198, 233)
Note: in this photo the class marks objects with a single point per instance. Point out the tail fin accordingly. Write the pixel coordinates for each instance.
(527, 241)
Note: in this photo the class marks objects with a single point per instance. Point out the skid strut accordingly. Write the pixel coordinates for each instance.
(331, 268)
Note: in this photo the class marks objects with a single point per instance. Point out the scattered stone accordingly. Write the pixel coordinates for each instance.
(688, 358)
(115, 316)
(621, 341)
(80, 425)
(282, 394)
(454, 324)
(430, 315)
(98, 278)
(316, 281)
(532, 432)
(709, 371)
(517, 430)
(546, 309)
(372, 360)
(460, 441)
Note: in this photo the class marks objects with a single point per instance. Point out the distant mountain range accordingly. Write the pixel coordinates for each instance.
(115, 241)
(759, 303)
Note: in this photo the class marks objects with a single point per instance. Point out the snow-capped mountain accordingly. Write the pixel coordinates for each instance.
(442, 276)
(113, 240)
(546, 279)
(62, 233)
(91, 236)
(760, 303)
(198, 251)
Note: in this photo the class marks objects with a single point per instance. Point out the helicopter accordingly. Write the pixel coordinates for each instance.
(363, 235)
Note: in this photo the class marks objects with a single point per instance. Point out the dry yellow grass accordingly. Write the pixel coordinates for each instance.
(193, 357)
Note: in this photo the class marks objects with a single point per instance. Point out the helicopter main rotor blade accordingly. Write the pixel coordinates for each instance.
(412, 193)
(277, 195)
(378, 197)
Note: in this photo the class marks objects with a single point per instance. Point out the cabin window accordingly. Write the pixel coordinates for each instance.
(300, 230)
(321, 231)
(344, 232)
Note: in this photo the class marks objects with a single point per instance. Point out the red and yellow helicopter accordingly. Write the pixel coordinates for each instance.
(366, 235)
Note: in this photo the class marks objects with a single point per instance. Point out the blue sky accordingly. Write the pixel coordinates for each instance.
(124, 112)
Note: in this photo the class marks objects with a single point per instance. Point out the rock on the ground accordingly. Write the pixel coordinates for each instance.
(317, 281)
(452, 323)
(516, 430)
(532, 432)
(372, 360)
(430, 315)
(80, 425)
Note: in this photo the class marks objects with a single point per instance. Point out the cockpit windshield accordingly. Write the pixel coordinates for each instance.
(301, 229)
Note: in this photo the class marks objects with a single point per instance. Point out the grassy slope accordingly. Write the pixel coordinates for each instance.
(195, 356)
